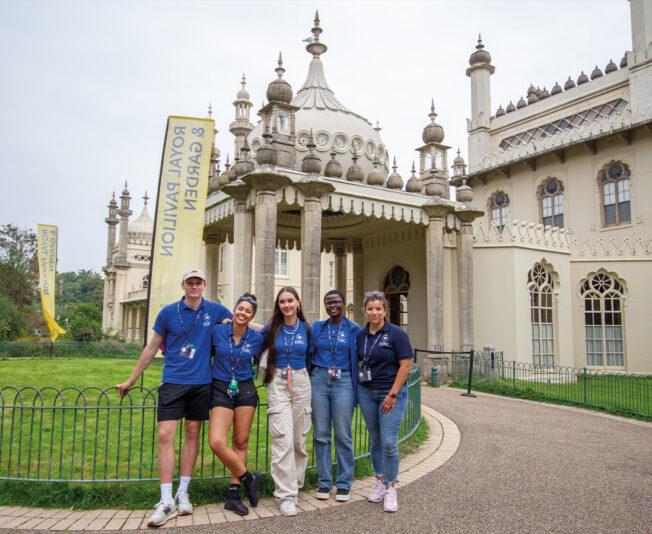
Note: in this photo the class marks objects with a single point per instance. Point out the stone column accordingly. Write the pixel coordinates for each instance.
(465, 275)
(243, 222)
(358, 282)
(312, 189)
(265, 184)
(436, 210)
(212, 267)
(340, 267)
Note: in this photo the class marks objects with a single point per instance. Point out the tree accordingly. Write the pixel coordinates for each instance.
(18, 265)
(84, 323)
(76, 287)
(12, 322)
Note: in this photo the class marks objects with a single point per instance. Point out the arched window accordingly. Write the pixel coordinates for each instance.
(396, 286)
(603, 320)
(614, 187)
(283, 121)
(499, 209)
(551, 196)
(540, 286)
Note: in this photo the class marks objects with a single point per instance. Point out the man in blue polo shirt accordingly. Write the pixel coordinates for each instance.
(184, 328)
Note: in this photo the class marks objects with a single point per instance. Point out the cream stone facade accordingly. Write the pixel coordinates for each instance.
(544, 252)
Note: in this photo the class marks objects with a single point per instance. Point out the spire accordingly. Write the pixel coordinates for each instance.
(145, 198)
(316, 48)
(280, 70)
(432, 113)
(210, 110)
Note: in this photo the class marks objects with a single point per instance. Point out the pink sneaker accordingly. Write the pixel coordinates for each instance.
(391, 502)
(378, 493)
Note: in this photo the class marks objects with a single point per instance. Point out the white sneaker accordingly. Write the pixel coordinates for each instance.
(288, 508)
(184, 506)
(391, 502)
(164, 511)
(378, 493)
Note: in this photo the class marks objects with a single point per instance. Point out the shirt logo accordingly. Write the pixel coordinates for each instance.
(299, 338)
(246, 348)
(384, 340)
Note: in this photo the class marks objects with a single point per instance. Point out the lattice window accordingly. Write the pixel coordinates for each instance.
(281, 262)
(567, 123)
(499, 210)
(551, 196)
(540, 286)
(614, 183)
(603, 321)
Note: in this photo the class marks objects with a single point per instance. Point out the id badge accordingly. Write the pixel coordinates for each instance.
(233, 387)
(284, 374)
(335, 373)
(364, 374)
(187, 351)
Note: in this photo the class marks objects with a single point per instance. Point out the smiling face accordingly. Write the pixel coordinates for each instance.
(375, 311)
(193, 287)
(334, 306)
(288, 304)
(243, 313)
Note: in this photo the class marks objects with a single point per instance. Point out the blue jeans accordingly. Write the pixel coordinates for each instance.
(332, 400)
(383, 429)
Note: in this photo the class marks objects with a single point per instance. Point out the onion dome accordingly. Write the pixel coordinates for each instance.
(544, 94)
(143, 226)
(480, 56)
(500, 111)
(244, 165)
(555, 89)
(611, 67)
(623, 62)
(520, 104)
(224, 177)
(583, 78)
(279, 90)
(355, 173)
(243, 94)
(311, 163)
(532, 96)
(376, 176)
(333, 167)
(459, 160)
(267, 154)
(569, 84)
(433, 133)
(395, 181)
(464, 193)
(510, 107)
(413, 185)
(596, 73)
(436, 188)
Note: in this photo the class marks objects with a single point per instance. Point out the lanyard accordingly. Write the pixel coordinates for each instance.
(365, 354)
(333, 350)
(243, 342)
(194, 323)
(285, 340)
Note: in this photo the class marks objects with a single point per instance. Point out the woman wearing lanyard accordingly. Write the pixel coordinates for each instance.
(334, 381)
(288, 396)
(385, 356)
(234, 399)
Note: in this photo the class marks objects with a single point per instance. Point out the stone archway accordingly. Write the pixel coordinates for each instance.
(396, 285)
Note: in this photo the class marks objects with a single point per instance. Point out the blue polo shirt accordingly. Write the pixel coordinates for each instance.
(332, 348)
(382, 352)
(230, 359)
(290, 347)
(198, 325)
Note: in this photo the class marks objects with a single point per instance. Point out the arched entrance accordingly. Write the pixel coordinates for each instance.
(396, 286)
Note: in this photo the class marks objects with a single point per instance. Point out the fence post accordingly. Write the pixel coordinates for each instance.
(585, 385)
(468, 387)
(514, 374)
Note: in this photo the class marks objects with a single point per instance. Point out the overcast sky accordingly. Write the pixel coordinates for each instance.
(87, 86)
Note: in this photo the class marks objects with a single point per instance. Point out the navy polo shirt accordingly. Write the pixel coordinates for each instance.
(195, 370)
(383, 352)
(333, 340)
(226, 354)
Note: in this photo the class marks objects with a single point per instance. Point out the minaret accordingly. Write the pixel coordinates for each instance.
(433, 156)
(241, 126)
(124, 212)
(638, 60)
(478, 127)
(111, 221)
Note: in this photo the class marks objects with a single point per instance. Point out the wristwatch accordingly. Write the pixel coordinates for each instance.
(392, 394)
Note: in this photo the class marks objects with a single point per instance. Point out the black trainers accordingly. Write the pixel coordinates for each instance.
(342, 495)
(323, 493)
(235, 505)
(251, 489)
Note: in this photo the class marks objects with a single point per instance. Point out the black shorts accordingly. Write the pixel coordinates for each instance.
(178, 401)
(247, 395)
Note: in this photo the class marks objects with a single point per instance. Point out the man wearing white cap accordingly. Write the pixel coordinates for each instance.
(184, 328)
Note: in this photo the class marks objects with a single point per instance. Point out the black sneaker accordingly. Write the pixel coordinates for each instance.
(251, 489)
(235, 505)
(343, 495)
(323, 493)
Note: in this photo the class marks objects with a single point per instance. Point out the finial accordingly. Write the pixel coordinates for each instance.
(458, 151)
(315, 47)
(114, 195)
(413, 170)
(311, 141)
(377, 128)
(125, 184)
(316, 17)
(432, 113)
(280, 70)
(394, 167)
(227, 164)
(145, 198)
(479, 46)
(244, 80)
(210, 110)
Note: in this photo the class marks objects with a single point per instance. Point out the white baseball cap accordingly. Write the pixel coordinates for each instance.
(193, 273)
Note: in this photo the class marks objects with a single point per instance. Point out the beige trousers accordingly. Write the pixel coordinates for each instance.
(289, 417)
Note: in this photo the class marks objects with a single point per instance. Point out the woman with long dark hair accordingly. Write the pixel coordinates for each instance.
(288, 396)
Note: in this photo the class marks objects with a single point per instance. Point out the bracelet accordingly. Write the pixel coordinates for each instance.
(393, 395)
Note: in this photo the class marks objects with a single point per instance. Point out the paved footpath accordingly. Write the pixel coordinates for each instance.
(491, 465)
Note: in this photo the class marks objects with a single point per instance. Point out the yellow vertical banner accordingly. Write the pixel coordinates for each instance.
(179, 220)
(47, 270)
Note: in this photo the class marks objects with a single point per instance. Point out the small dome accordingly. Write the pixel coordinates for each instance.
(464, 194)
(377, 176)
(395, 181)
(433, 133)
(500, 111)
(532, 98)
(611, 67)
(279, 90)
(596, 73)
(413, 184)
(544, 94)
(333, 167)
(243, 94)
(480, 56)
(143, 224)
(583, 78)
(521, 104)
(311, 163)
(623, 62)
(510, 107)
(267, 154)
(355, 173)
(555, 89)
(569, 84)
(459, 160)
